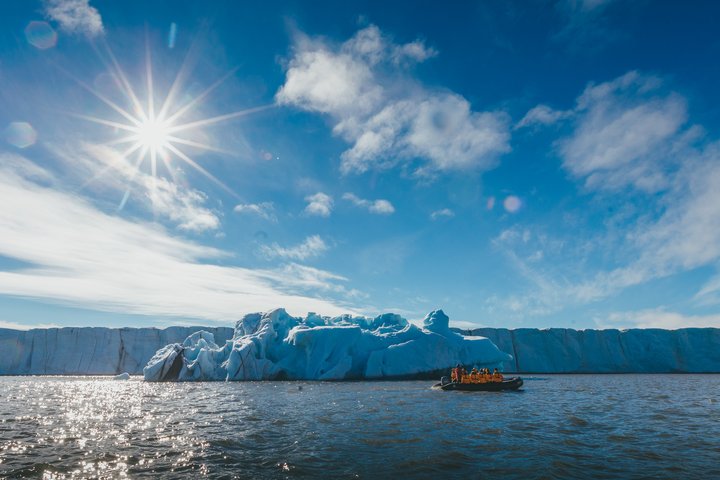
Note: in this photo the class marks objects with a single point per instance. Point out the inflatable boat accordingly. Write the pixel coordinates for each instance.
(512, 383)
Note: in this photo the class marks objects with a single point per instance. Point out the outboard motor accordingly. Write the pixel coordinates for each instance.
(444, 380)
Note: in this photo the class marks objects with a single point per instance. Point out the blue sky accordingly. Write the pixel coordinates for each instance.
(518, 164)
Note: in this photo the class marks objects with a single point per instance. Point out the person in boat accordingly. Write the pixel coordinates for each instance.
(497, 376)
(456, 375)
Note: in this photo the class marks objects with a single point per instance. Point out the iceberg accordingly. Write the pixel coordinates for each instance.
(275, 345)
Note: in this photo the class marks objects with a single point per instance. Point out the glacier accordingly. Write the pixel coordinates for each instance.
(275, 345)
(112, 351)
(88, 350)
(635, 350)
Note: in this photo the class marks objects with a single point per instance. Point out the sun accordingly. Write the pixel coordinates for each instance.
(153, 134)
(159, 134)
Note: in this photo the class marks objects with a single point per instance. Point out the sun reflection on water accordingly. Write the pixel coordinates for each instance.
(109, 424)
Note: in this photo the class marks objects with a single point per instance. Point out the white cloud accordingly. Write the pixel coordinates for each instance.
(387, 116)
(542, 115)
(170, 199)
(15, 164)
(83, 257)
(442, 213)
(182, 206)
(416, 51)
(319, 204)
(313, 246)
(264, 210)
(709, 293)
(684, 237)
(626, 133)
(22, 326)
(312, 277)
(75, 16)
(381, 207)
(657, 318)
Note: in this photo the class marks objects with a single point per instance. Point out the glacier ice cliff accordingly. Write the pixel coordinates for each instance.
(87, 350)
(111, 351)
(646, 350)
(275, 345)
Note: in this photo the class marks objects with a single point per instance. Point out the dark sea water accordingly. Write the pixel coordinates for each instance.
(575, 426)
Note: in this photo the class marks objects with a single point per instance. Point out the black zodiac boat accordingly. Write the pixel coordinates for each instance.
(510, 384)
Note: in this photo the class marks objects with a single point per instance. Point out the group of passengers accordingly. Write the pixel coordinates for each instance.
(460, 375)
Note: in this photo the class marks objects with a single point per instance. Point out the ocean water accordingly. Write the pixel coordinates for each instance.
(574, 426)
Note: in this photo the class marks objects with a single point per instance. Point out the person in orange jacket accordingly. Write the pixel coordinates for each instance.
(456, 374)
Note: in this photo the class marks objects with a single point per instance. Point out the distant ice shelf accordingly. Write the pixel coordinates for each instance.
(275, 345)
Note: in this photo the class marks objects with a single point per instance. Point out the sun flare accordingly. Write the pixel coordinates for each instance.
(153, 134)
(158, 134)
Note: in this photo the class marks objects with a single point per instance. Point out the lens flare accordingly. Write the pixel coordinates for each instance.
(512, 203)
(172, 35)
(40, 35)
(20, 134)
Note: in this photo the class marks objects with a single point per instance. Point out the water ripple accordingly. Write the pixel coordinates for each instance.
(582, 426)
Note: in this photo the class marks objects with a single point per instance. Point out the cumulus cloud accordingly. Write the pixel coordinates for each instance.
(442, 213)
(264, 210)
(381, 207)
(81, 256)
(319, 204)
(75, 16)
(388, 118)
(313, 246)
